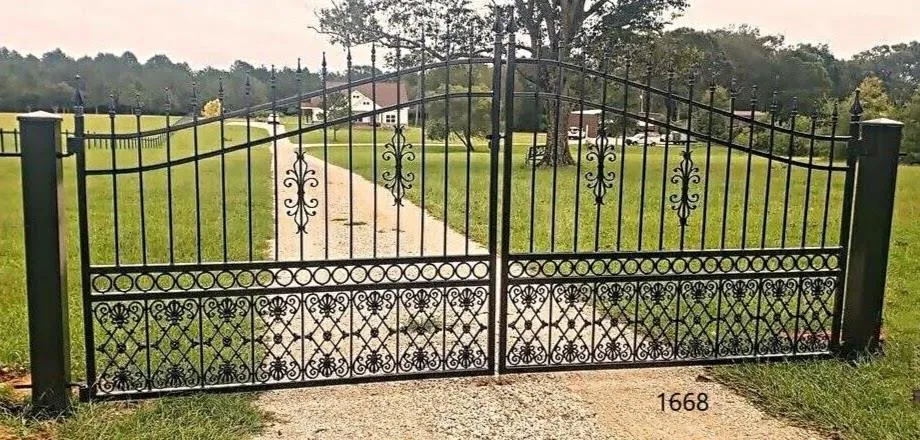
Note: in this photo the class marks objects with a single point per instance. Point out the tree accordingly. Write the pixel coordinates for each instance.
(468, 118)
(336, 107)
(873, 100)
(898, 66)
(910, 116)
(553, 29)
(211, 109)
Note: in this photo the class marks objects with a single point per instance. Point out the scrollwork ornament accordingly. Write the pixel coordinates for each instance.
(398, 180)
(685, 175)
(301, 177)
(601, 180)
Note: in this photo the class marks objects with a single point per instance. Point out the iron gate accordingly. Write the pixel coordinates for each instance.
(244, 251)
(711, 236)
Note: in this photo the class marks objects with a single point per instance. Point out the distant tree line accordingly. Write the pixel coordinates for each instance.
(811, 73)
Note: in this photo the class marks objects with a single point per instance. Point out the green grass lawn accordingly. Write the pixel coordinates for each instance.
(871, 399)
(866, 401)
(205, 416)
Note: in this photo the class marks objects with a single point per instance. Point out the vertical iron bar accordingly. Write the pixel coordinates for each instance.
(469, 141)
(581, 135)
(114, 180)
(691, 83)
(667, 143)
(494, 146)
(766, 203)
(299, 79)
(626, 84)
(533, 170)
(325, 75)
(506, 180)
(398, 127)
(374, 121)
(747, 176)
(223, 166)
(138, 111)
(830, 175)
(811, 161)
(446, 129)
(554, 150)
(602, 136)
(351, 163)
(169, 192)
(85, 255)
(197, 171)
(274, 119)
(424, 112)
(789, 171)
(733, 96)
(646, 99)
(248, 93)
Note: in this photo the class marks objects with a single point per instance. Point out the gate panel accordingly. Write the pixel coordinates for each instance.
(645, 224)
(251, 250)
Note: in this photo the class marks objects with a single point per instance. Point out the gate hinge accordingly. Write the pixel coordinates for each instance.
(856, 148)
(74, 145)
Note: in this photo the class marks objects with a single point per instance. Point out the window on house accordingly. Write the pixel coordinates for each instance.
(389, 118)
(366, 103)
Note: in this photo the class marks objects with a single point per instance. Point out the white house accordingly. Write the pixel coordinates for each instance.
(382, 96)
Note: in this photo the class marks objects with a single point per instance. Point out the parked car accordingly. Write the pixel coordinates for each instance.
(273, 118)
(574, 133)
(652, 139)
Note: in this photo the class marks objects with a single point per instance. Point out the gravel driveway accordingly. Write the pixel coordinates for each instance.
(620, 404)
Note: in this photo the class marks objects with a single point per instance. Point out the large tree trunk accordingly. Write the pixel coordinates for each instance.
(557, 136)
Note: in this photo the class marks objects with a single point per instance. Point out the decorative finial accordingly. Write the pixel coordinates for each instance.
(168, 100)
(195, 95)
(247, 87)
(78, 92)
(138, 105)
(857, 108)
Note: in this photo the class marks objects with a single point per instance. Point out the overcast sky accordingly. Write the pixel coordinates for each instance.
(217, 32)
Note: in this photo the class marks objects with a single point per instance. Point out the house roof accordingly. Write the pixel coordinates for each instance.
(385, 93)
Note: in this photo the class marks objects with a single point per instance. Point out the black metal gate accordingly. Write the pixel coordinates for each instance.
(246, 250)
(660, 229)
(239, 253)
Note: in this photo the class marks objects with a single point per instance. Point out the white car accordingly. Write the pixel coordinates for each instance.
(652, 139)
(273, 119)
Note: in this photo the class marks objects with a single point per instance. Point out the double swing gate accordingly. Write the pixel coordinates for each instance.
(408, 225)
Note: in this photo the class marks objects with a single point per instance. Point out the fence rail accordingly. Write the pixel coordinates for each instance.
(9, 143)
